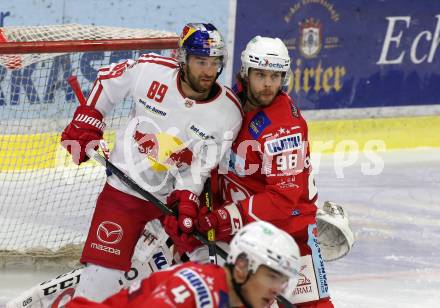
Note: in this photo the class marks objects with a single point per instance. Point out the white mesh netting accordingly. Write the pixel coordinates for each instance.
(46, 202)
(66, 32)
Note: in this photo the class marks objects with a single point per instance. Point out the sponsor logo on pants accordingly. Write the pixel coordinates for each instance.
(105, 248)
(109, 232)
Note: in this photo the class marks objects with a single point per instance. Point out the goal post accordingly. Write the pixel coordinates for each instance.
(46, 202)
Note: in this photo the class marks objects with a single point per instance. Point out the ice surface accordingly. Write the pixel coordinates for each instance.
(395, 215)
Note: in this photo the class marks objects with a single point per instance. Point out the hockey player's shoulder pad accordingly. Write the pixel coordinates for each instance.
(153, 58)
(114, 70)
(289, 107)
(234, 99)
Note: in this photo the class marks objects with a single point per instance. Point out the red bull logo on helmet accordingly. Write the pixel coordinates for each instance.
(186, 33)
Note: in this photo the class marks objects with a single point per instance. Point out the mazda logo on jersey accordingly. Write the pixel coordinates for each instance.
(109, 232)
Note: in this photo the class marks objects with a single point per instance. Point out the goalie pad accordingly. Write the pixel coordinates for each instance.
(201, 254)
(152, 253)
(305, 289)
(335, 236)
(98, 282)
(51, 293)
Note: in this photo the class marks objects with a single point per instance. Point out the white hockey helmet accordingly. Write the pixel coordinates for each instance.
(265, 244)
(265, 53)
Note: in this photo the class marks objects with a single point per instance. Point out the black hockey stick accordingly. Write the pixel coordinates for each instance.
(211, 233)
(159, 204)
(73, 81)
(147, 195)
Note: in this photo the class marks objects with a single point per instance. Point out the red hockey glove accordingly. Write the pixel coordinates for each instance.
(85, 127)
(226, 220)
(188, 205)
(182, 242)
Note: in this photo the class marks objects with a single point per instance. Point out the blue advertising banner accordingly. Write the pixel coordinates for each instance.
(348, 54)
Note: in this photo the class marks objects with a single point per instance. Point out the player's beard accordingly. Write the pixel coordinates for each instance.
(262, 98)
(200, 84)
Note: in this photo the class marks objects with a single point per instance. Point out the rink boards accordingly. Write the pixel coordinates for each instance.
(39, 151)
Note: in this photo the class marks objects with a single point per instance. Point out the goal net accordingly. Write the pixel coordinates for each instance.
(46, 202)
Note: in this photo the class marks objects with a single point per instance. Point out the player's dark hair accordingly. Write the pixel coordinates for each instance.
(237, 286)
(241, 88)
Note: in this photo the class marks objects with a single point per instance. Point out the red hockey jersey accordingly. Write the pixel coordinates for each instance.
(269, 167)
(185, 285)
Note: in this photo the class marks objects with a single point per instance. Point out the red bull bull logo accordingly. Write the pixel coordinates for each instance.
(163, 150)
(147, 143)
(186, 33)
(180, 158)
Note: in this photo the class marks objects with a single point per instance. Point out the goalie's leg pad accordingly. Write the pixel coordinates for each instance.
(152, 253)
(311, 288)
(97, 282)
(117, 224)
(304, 292)
(52, 293)
(201, 254)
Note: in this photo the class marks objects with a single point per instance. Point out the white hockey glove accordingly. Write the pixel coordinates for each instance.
(335, 236)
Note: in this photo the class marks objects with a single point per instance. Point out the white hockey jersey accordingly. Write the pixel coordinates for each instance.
(170, 141)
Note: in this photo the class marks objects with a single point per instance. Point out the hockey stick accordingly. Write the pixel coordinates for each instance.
(156, 202)
(211, 233)
(147, 195)
(73, 81)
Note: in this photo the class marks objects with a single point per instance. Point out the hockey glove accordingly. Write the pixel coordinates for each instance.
(182, 242)
(86, 126)
(226, 220)
(188, 205)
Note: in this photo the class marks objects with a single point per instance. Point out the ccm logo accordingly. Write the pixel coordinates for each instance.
(61, 285)
(109, 232)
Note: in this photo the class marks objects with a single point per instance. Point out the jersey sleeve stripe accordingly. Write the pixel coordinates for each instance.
(104, 69)
(157, 57)
(235, 100)
(168, 64)
(113, 71)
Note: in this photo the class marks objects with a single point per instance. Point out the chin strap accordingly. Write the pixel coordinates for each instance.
(218, 73)
(237, 286)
